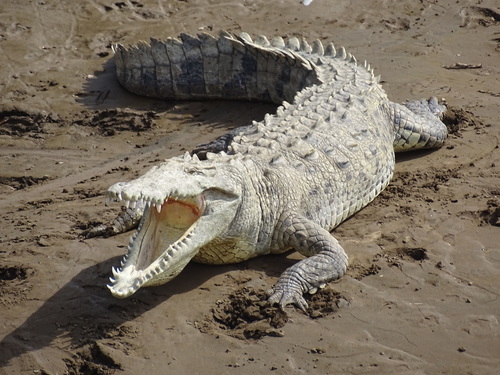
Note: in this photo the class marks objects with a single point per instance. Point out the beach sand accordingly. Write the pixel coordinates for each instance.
(421, 295)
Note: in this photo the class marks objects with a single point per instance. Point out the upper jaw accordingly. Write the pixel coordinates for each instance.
(132, 197)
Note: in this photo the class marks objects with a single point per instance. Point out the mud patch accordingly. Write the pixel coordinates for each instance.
(457, 119)
(111, 121)
(135, 8)
(422, 186)
(400, 24)
(246, 314)
(358, 271)
(491, 215)
(395, 257)
(325, 302)
(415, 253)
(13, 273)
(474, 16)
(14, 284)
(19, 183)
(19, 121)
(92, 360)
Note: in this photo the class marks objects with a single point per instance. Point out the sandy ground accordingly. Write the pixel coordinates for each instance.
(421, 294)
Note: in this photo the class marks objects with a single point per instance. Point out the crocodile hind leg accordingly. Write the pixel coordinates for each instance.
(417, 124)
(326, 261)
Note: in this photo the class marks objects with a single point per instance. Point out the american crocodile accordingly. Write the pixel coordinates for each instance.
(278, 184)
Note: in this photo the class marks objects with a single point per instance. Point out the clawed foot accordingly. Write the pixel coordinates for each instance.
(423, 106)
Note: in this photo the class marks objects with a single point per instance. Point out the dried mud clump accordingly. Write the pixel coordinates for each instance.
(92, 360)
(16, 121)
(22, 182)
(395, 257)
(14, 284)
(246, 314)
(12, 273)
(111, 121)
(473, 16)
(415, 253)
(359, 272)
(325, 302)
(491, 215)
(457, 119)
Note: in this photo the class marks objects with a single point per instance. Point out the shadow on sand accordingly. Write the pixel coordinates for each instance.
(102, 92)
(83, 311)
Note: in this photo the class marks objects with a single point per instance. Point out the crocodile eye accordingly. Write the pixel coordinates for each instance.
(194, 171)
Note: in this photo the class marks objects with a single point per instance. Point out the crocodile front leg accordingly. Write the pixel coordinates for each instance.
(327, 261)
(126, 220)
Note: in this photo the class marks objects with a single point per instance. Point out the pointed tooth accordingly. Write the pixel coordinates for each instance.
(158, 208)
(133, 204)
(112, 280)
(119, 196)
(115, 272)
(127, 204)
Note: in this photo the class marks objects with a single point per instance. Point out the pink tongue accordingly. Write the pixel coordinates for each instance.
(178, 214)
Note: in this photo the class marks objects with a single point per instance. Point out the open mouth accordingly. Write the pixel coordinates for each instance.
(153, 255)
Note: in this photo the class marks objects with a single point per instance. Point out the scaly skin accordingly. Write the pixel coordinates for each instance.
(275, 185)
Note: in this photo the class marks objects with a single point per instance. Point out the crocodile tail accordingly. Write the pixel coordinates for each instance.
(227, 67)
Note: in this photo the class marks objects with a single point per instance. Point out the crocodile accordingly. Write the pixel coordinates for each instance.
(274, 185)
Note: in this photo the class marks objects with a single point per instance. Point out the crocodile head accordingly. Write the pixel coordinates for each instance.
(188, 203)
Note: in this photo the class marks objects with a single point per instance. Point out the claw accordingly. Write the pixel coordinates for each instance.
(284, 298)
